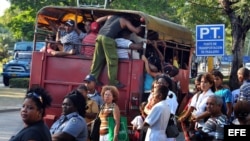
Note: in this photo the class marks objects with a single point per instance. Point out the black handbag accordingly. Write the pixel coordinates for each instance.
(172, 130)
(95, 128)
(94, 131)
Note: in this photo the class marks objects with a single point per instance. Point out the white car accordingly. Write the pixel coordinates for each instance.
(247, 65)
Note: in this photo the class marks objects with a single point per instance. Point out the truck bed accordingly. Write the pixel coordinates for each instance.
(60, 75)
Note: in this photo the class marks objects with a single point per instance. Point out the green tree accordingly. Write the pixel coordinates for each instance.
(237, 12)
(6, 42)
(20, 17)
(22, 25)
(233, 13)
(157, 8)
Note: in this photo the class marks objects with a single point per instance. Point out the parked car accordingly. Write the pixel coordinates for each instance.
(19, 67)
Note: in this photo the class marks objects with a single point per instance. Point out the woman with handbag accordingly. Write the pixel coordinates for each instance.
(110, 109)
(185, 117)
(157, 119)
(171, 99)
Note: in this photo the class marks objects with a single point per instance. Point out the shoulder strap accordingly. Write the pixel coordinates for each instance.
(198, 96)
(142, 118)
(113, 107)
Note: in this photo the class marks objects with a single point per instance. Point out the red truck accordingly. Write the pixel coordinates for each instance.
(60, 75)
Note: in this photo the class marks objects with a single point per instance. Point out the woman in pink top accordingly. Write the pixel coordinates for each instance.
(89, 40)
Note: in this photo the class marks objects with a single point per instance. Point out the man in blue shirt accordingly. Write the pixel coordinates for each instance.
(90, 83)
(70, 39)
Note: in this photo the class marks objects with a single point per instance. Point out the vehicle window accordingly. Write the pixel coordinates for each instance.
(24, 55)
(23, 46)
(39, 45)
(28, 46)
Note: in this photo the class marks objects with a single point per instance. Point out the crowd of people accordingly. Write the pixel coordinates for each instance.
(213, 105)
(83, 104)
(105, 40)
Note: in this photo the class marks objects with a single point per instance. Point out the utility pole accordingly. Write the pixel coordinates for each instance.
(210, 63)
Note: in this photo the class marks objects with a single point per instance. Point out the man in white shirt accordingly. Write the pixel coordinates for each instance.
(124, 45)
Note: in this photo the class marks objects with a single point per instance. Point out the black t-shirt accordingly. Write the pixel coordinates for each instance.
(37, 131)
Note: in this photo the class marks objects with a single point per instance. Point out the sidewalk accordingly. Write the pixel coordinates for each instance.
(11, 98)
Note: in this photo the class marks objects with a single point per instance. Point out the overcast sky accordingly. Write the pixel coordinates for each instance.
(4, 5)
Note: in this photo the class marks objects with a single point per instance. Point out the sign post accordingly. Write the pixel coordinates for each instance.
(210, 41)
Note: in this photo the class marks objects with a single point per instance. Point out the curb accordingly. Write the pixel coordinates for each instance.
(10, 109)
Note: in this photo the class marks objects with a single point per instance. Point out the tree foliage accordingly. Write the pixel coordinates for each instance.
(21, 15)
(233, 13)
(237, 12)
(5, 42)
(157, 8)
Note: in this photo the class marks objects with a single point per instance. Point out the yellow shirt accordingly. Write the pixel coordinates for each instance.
(175, 63)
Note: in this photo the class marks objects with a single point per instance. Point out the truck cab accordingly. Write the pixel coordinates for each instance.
(61, 74)
(19, 65)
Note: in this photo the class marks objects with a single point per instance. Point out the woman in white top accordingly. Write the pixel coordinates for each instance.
(200, 113)
(170, 100)
(158, 118)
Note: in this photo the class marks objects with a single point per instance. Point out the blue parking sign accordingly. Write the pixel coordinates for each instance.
(210, 40)
(227, 58)
(246, 59)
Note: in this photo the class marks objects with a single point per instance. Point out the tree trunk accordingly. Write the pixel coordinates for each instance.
(238, 35)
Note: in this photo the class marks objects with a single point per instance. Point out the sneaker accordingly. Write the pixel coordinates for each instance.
(119, 85)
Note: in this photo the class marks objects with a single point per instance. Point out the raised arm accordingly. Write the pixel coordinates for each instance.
(162, 57)
(102, 19)
(148, 70)
(126, 23)
(52, 24)
(155, 45)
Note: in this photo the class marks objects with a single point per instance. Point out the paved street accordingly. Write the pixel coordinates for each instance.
(10, 124)
(10, 103)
